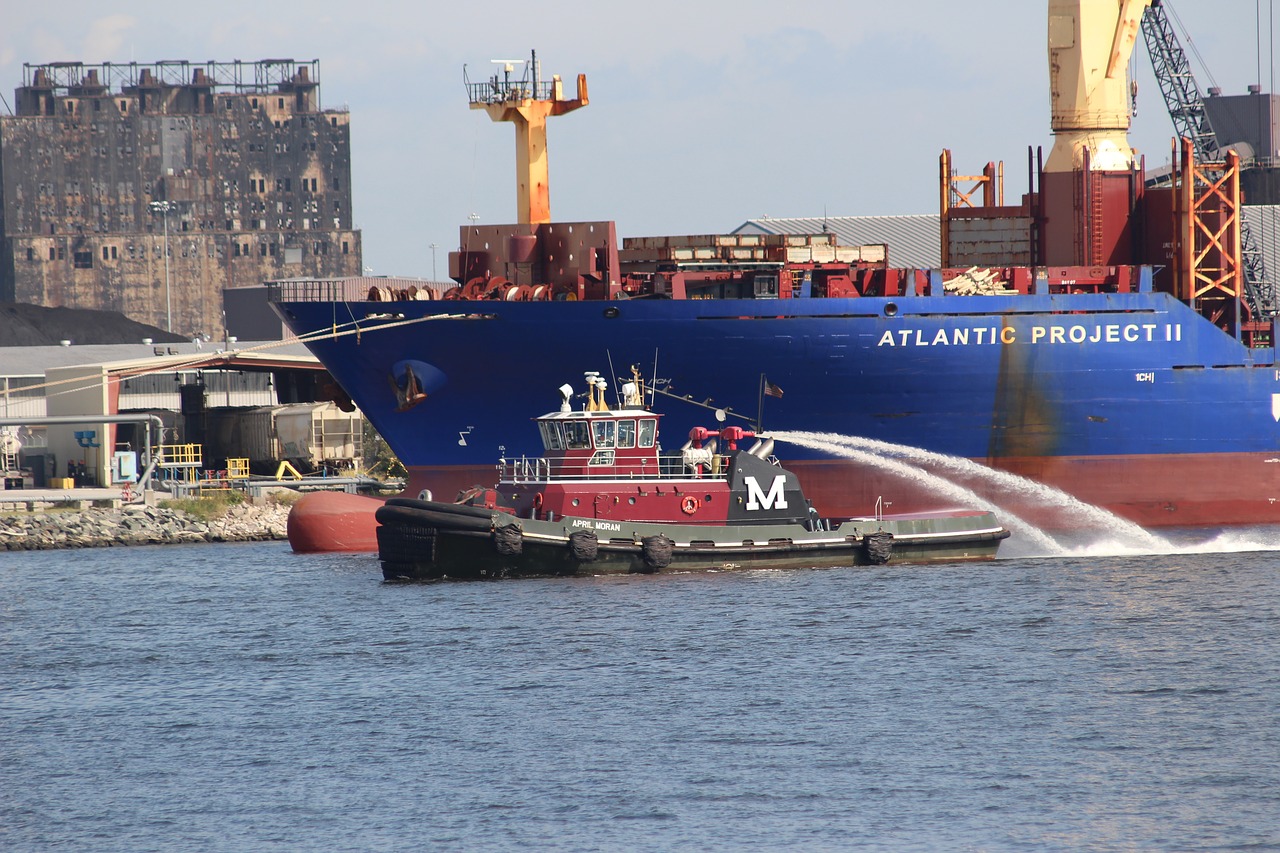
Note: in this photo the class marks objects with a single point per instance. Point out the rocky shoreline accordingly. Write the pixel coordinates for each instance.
(137, 524)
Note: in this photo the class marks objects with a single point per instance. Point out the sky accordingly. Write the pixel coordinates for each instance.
(703, 114)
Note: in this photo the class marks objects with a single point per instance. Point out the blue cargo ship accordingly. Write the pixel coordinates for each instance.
(1099, 336)
(1131, 401)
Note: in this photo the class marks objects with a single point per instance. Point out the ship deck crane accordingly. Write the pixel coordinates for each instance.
(1089, 47)
(1186, 109)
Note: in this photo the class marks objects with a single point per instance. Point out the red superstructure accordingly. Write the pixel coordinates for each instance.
(607, 463)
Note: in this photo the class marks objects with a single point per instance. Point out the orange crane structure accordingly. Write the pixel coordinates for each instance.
(527, 103)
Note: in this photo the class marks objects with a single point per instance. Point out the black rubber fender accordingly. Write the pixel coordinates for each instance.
(508, 540)
(440, 507)
(879, 547)
(657, 551)
(401, 515)
(584, 545)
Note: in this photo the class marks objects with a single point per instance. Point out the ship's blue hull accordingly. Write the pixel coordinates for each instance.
(1116, 398)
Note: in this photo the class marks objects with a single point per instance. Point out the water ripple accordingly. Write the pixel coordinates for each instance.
(255, 699)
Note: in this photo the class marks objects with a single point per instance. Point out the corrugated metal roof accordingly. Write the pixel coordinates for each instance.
(913, 239)
(34, 361)
(1264, 224)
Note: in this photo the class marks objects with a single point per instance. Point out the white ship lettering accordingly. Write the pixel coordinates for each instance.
(596, 525)
(1107, 333)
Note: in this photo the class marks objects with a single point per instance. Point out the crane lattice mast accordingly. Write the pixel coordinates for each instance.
(1186, 109)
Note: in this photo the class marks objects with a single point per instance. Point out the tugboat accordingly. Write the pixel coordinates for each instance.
(605, 499)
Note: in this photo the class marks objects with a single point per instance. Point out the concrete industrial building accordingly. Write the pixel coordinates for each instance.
(265, 402)
(148, 189)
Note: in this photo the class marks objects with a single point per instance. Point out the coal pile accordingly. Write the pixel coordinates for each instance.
(24, 325)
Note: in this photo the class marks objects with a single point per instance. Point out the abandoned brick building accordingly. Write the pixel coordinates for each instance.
(148, 189)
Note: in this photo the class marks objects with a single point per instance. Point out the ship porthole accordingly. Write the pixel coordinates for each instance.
(424, 495)
(611, 313)
(891, 309)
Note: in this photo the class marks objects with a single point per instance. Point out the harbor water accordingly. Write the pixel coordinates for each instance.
(240, 697)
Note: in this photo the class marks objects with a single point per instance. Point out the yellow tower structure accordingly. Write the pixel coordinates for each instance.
(1089, 46)
(527, 103)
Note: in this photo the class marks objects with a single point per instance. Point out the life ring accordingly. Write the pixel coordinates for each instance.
(537, 501)
(690, 505)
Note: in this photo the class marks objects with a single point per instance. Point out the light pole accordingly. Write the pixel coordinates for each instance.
(433, 248)
(466, 244)
(163, 208)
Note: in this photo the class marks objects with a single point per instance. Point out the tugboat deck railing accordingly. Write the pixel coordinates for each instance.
(539, 469)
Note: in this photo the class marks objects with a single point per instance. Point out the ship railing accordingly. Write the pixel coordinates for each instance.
(306, 290)
(524, 470)
(354, 289)
(497, 91)
(538, 469)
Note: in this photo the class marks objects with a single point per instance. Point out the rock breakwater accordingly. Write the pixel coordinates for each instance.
(139, 525)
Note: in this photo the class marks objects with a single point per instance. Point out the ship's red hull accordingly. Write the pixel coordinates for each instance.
(1187, 490)
(1152, 491)
(333, 521)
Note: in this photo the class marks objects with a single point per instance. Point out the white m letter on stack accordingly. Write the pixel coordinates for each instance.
(757, 499)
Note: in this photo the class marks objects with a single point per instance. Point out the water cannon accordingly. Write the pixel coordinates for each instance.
(731, 435)
(734, 434)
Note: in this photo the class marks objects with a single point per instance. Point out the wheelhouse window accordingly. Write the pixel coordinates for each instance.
(551, 438)
(604, 432)
(626, 433)
(601, 457)
(577, 435)
(648, 428)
